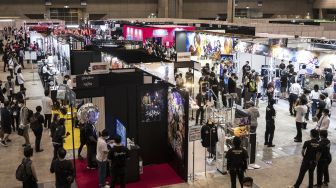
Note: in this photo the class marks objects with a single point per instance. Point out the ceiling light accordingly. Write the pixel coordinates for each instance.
(66, 6)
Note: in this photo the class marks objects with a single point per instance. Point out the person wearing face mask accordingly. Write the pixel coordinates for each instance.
(102, 152)
(15, 114)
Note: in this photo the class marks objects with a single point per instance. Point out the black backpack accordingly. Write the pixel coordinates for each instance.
(21, 171)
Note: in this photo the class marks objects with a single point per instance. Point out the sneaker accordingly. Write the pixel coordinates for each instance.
(40, 150)
(8, 140)
(271, 145)
(3, 143)
(265, 144)
(296, 140)
(325, 184)
(317, 186)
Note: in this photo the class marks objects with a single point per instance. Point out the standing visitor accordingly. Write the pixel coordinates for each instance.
(24, 122)
(47, 109)
(5, 123)
(91, 145)
(310, 153)
(284, 83)
(270, 123)
(325, 160)
(294, 93)
(58, 136)
(9, 85)
(246, 68)
(37, 126)
(321, 105)
(117, 157)
(259, 90)
(314, 96)
(301, 110)
(31, 179)
(63, 169)
(201, 100)
(236, 162)
(102, 152)
(232, 88)
(20, 78)
(302, 75)
(324, 122)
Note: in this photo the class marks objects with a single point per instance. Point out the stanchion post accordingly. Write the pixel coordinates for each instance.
(73, 139)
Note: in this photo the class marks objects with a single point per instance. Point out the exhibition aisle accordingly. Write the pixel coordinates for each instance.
(153, 176)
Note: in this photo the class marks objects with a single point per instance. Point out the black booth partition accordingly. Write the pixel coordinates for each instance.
(158, 127)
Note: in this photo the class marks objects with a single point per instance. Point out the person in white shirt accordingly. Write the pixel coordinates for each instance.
(102, 152)
(294, 92)
(259, 90)
(301, 110)
(324, 122)
(330, 90)
(314, 96)
(20, 79)
(302, 75)
(47, 109)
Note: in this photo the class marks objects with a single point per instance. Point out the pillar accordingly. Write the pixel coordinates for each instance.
(180, 8)
(163, 8)
(320, 13)
(230, 10)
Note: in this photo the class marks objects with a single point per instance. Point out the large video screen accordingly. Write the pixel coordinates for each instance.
(152, 105)
(210, 46)
(121, 131)
(176, 122)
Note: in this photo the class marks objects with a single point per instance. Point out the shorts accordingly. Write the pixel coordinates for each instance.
(283, 89)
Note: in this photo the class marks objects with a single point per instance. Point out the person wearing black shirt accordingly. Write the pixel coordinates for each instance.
(37, 127)
(117, 157)
(246, 69)
(91, 144)
(201, 100)
(209, 137)
(310, 153)
(82, 138)
(236, 162)
(232, 86)
(63, 169)
(189, 76)
(5, 123)
(270, 124)
(58, 136)
(325, 160)
(214, 87)
(328, 78)
(321, 105)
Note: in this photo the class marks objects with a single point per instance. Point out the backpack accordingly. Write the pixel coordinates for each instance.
(252, 87)
(30, 117)
(34, 122)
(21, 172)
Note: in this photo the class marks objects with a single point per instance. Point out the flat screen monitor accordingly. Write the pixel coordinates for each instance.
(121, 131)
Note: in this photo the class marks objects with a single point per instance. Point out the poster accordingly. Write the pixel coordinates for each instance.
(209, 46)
(152, 105)
(176, 122)
(278, 42)
(245, 47)
(261, 49)
(309, 58)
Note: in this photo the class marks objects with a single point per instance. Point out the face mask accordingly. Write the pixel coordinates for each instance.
(14, 101)
(20, 105)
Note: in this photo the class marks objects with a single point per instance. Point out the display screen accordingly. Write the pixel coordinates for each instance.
(176, 122)
(121, 131)
(210, 46)
(152, 105)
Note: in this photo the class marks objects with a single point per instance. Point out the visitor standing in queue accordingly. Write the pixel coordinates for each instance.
(324, 122)
(63, 169)
(47, 109)
(325, 160)
(236, 162)
(314, 97)
(201, 100)
(31, 179)
(301, 110)
(58, 136)
(24, 122)
(5, 123)
(37, 126)
(117, 157)
(102, 152)
(311, 154)
(270, 123)
(294, 93)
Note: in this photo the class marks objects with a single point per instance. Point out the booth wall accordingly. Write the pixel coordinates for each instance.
(80, 61)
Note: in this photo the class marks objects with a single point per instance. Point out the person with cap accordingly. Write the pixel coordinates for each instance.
(270, 123)
(102, 152)
(311, 154)
(236, 162)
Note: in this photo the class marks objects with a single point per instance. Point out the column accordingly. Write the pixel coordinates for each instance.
(230, 10)
(163, 8)
(320, 13)
(180, 8)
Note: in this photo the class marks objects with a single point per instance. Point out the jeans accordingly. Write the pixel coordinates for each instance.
(233, 175)
(299, 131)
(314, 107)
(47, 120)
(306, 166)
(38, 137)
(102, 172)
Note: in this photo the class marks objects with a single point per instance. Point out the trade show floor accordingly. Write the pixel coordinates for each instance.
(279, 165)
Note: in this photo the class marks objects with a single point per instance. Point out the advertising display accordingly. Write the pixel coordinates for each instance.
(279, 42)
(253, 48)
(121, 131)
(309, 58)
(209, 46)
(152, 105)
(286, 54)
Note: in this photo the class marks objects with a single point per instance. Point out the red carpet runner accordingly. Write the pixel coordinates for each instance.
(153, 176)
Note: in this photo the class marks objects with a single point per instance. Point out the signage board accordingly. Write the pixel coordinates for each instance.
(100, 68)
(194, 133)
(183, 56)
(87, 81)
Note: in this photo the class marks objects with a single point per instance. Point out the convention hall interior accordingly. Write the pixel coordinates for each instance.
(167, 93)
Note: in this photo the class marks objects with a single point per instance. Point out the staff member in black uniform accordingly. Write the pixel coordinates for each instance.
(236, 162)
(117, 157)
(201, 100)
(325, 160)
(311, 154)
(270, 124)
(91, 145)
